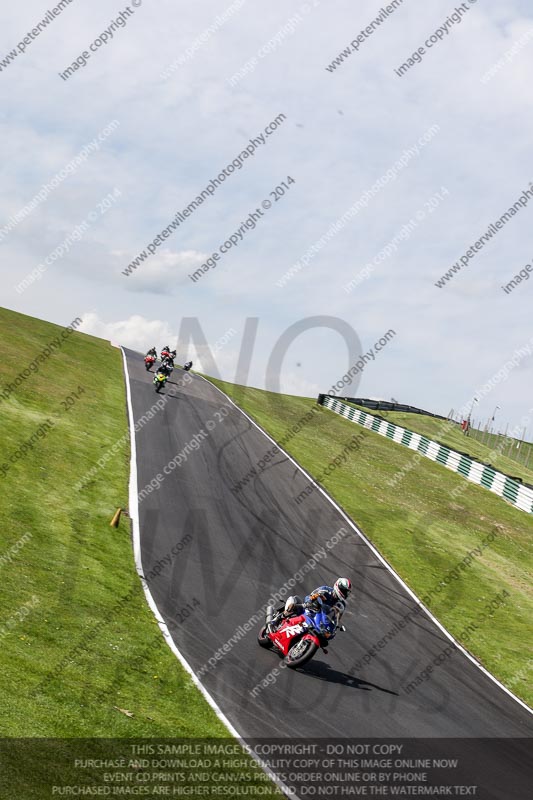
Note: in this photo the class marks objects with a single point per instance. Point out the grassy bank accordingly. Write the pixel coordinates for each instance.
(81, 654)
(87, 643)
(493, 449)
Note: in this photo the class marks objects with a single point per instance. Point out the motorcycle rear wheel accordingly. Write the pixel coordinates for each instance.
(262, 639)
(300, 653)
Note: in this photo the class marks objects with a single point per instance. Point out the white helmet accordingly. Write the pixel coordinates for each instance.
(342, 588)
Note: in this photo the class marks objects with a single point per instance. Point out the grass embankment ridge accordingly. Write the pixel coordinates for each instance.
(420, 529)
(90, 643)
(79, 645)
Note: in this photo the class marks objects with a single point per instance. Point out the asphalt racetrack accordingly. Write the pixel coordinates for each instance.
(213, 557)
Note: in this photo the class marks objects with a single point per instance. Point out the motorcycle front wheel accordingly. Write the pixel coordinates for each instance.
(301, 652)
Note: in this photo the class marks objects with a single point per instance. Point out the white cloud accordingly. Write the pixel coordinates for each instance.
(163, 272)
(217, 358)
(136, 332)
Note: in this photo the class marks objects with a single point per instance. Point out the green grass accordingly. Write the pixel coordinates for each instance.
(491, 448)
(81, 652)
(421, 530)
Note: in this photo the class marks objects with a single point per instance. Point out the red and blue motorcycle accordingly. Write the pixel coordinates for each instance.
(298, 638)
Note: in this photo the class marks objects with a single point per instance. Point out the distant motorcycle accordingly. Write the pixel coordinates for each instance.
(149, 361)
(165, 353)
(298, 638)
(159, 381)
(187, 366)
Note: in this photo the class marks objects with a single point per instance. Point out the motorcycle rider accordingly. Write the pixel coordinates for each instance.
(152, 352)
(164, 368)
(168, 362)
(187, 365)
(332, 596)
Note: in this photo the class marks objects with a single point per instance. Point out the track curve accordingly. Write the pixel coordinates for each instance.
(232, 551)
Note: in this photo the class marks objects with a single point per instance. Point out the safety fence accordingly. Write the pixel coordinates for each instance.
(481, 474)
(384, 405)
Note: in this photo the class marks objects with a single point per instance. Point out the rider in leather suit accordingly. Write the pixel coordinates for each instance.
(332, 596)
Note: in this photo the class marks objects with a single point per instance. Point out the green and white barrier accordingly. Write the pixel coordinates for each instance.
(502, 485)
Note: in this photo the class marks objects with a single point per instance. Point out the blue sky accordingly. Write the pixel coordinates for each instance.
(343, 131)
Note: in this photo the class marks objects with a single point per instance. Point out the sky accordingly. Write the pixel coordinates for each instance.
(409, 170)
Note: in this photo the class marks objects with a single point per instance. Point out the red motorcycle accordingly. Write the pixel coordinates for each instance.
(298, 638)
(149, 361)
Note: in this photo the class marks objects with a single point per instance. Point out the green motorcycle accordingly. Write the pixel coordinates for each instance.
(159, 380)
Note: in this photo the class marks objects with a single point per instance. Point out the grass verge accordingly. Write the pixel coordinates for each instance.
(495, 451)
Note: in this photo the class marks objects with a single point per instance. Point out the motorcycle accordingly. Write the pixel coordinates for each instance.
(164, 354)
(187, 366)
(159, 381)
(149, 361)
(298, 638)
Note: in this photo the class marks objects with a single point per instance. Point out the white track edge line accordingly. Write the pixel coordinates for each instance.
(378, 555)
(134, 516)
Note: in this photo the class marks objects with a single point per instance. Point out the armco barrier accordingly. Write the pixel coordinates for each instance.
(481, 474)
(385, 405)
